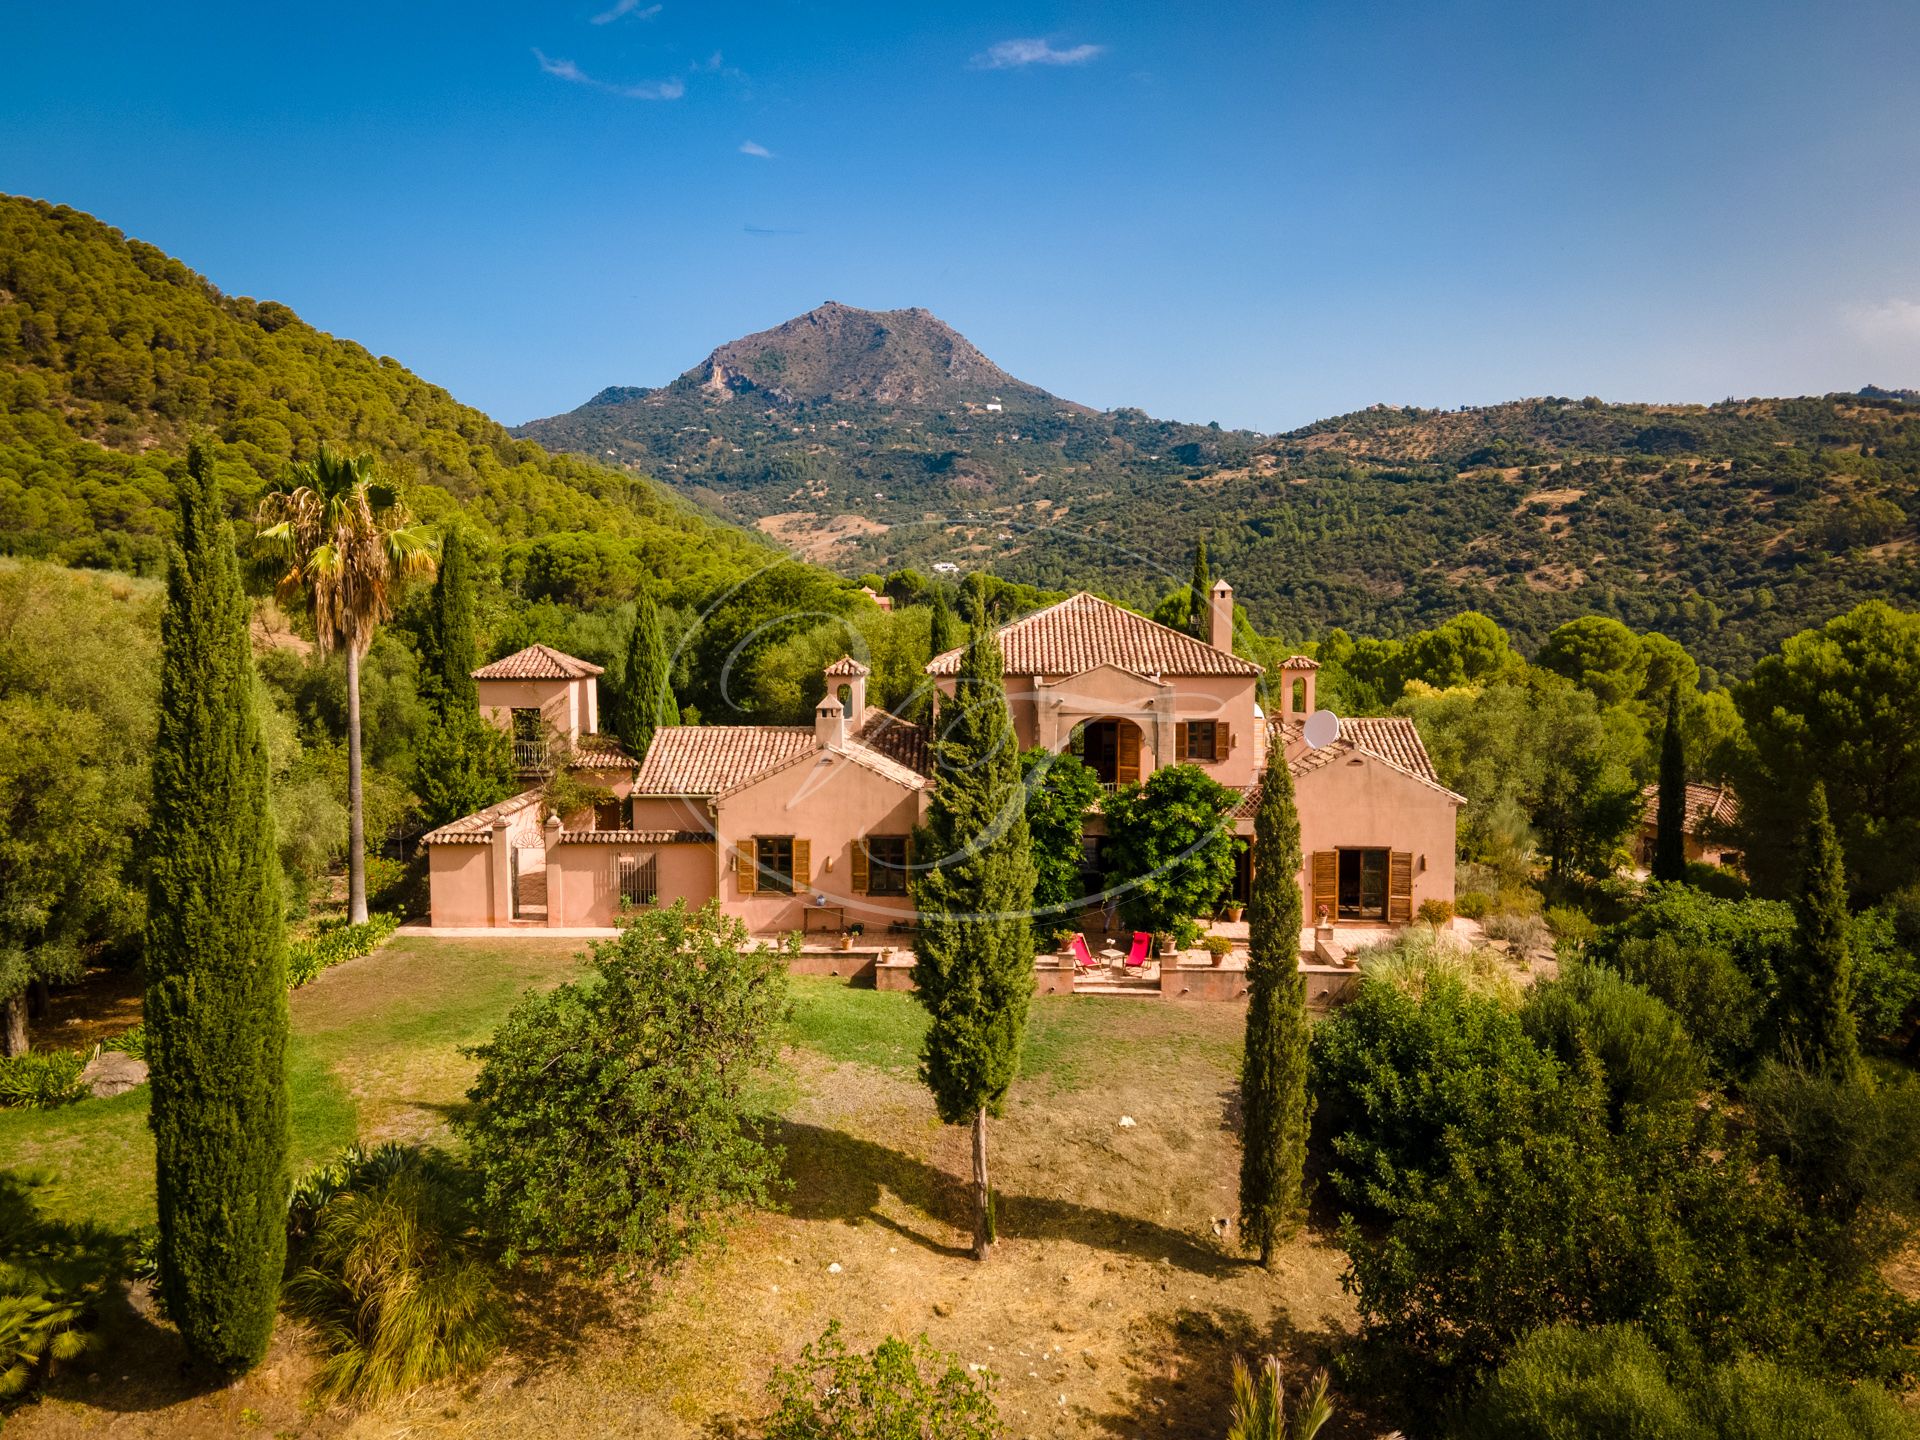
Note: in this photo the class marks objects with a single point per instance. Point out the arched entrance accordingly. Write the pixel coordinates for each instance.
(1111, 749)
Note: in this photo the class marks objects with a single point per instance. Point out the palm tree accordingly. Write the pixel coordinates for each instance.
(350, 544)
(1260, 1405)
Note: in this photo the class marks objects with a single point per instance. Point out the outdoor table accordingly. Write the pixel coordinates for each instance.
(837, 913)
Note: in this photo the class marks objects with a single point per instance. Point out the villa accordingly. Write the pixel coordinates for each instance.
(809, 828)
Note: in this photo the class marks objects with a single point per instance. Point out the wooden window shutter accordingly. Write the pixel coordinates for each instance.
(1126, 765)
(1400, 888)
(802, 863)
(746, 867)
(1326, 883)
(861, 867)
(1222, 740)
(1180, 751)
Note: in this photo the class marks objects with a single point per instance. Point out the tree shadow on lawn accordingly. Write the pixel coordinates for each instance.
(836, 1176)
(1187, 1390)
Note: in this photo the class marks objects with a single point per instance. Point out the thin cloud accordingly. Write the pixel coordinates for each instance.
(668, 89)
(624, 8)
(1017, 54)
(1888, 320)
(755, 149)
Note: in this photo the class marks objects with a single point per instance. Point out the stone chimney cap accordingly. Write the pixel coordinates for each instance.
(1221, 584)
(829, 705)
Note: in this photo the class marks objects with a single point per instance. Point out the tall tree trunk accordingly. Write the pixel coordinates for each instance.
(356, 811)
(13, 1024)
(983, 1227)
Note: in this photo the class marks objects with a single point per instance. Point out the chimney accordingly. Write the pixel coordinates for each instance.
(1296, 686)
(849, 672)
(829, 724)
(1220, 626)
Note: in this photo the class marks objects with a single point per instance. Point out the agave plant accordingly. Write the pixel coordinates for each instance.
(1260, 1405)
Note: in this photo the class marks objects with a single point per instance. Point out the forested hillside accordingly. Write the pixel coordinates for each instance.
(1727, 526)
(112, 354)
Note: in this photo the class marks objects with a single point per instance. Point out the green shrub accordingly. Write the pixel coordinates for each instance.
(1570, 926)
(1753, 1399)
(1720, 883)
(1886, 973)
(1435, 912)
(1187, 932)
(1525, 933)
(41, 1079)
(1705, 986)
(1641, 1046)
(392, 1284)
(129, 1042)
(334, 943)
(899, 1390)
(1564, 1383)
(1474, 904)
(613, 1115)
(354, 1168)
(1842, 1143)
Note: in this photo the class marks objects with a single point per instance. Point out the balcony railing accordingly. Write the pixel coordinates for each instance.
(530, 754)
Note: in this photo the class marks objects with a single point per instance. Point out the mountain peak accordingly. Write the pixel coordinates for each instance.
(841, 354)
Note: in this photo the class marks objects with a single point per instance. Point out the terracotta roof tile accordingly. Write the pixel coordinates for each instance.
(1389, 738)
(1705, 803)
(707, 759)
(1299, 662)
(600, 752)
(477, 828)
(538, 662)
(710, 760)
(1084, 631)
(847, 665)
(638, 837)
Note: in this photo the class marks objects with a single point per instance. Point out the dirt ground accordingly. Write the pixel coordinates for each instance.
(1112, 1306)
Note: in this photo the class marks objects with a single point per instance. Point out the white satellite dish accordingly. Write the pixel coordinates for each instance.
(1322, 729)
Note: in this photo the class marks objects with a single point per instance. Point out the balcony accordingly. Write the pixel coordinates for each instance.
(529, 756)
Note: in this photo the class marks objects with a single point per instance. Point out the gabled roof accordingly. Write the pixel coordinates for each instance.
(538, 662)
(477, 828)
(1390, 739)
(707, 761)
(1299, 662)
(1705, 803)
(847, 665)
(1083, 631)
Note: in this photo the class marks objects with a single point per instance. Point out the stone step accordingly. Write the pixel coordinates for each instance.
(1146, 990)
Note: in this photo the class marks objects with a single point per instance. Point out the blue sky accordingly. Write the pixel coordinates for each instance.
(1260, 214)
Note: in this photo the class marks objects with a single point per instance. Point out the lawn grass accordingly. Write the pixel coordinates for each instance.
(374, 1052)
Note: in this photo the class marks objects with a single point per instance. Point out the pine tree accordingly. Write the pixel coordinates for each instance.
(1670, 830)
(216, 999)
(974, 943)
(1200, 603)
(1816, 988)
(1273, 1070)
(451, 650)
(645, 702)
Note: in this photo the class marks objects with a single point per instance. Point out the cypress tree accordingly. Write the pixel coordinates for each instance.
(216, 998)
(1199, 608)
(1670, 828)
(974, 895)
(1816, 989)
(940, 632)
(1273, 1069)
(646, 682)
(453, 653)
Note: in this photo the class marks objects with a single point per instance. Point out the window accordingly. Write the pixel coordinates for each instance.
(775, 856)
(1363, 884)
(529, 738)
(886, 864)
(639, 879)
(1202, 740)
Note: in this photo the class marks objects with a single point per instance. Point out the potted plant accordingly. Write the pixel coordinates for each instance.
(1219, 947)
(847, 936)
(1232, 911)
(1163, 945)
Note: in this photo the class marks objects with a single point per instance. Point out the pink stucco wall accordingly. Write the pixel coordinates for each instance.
(830, 801)
(1361, 803)
(584, 875)
(570, 706)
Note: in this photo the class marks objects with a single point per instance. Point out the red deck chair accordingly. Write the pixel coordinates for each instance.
(1082, 955)
(1142, 947)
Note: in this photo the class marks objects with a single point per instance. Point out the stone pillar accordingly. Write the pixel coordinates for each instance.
(556, 877)
(1165, 717)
